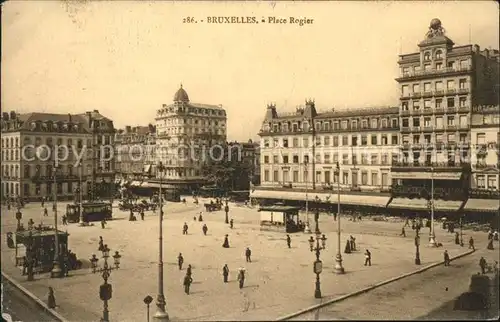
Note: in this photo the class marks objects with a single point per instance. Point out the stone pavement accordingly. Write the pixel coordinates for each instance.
(280, 281)
(413, 298)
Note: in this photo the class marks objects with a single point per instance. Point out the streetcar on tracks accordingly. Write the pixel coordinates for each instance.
(91, 211)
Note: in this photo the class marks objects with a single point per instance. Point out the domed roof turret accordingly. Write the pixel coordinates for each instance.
(181, 95)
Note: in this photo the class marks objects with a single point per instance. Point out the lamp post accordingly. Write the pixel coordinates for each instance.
(56, 269)
(226, 210)
(307, 230)
(316, 220)
(339, 269)
(432, 239)
(417, 245)
(318, 264)
(461, 232)
(29, 257)
(19, 216)
(80, 191)
(161, 313)
(105, 290)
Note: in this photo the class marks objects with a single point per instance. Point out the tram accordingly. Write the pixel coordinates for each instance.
(91, 211)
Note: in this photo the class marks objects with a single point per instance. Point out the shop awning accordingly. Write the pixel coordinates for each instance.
(427, 175)
(347, 199)
(482, 205)
(155, 185)
(423, 204)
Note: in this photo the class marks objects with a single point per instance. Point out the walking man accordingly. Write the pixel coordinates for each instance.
(185, 229)
(225, 273)
(368, 258)
(142, 214)
(45, 212)
(471, 243)
(64, 220)
(241, 277)
(482, 264)
(446, 258)
(403, 232)
(180, 261)
(189, 271)
(248, 253)
(205, 229)
(231, 222)
(51, 301)
(187, 283)
(289, 241)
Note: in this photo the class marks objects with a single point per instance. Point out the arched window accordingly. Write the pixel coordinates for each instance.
(439, 54)
(427, 56)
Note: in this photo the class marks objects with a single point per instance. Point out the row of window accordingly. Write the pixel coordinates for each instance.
(14, 142)
(10, 142)
(182, 109)
(327, 177)
(177, 121)
(354, 123)
(434, 138)
(487, 181)
(13, 188)
(347, 140)
(436, 122)
(438, 86)
(428, 65)
(183, 130)
(327, 158)
(48, 170)
(438, 103)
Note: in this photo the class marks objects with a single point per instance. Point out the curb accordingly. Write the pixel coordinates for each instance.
(40, 303)
(369, 288)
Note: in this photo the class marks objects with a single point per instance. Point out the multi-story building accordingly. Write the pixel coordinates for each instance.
(301, 150)
(485, 137)
(439, 86)
(245, 162)
(28, 142)
(186, 132)
(135, 149)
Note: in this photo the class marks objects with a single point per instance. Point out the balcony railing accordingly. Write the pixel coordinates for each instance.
(464, 108)
(438, 110)
(450, 91)
(427, 111)
(449, 164)
(463, 90)
(439, 92)
(427, 94)
(451, 109)
(435, 71)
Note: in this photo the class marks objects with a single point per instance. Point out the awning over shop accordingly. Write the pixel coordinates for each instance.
(482, 205)
(427, 175)
(156, 185)
(347, 199)
(423, 204)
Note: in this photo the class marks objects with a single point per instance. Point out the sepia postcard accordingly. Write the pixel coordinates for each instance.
(249, 160)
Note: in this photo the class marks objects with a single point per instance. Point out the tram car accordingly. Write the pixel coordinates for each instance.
(91, 211)
(280, 218)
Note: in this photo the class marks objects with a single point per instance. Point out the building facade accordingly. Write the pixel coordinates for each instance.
(302, 149)
(135, 150)
(441, 85)
(30, 143)
(485, 138)
(185, 133)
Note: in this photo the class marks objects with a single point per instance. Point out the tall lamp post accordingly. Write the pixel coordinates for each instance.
(56, 269)
(318, 264)
(19, 216)
(105, 290)
(307, 229)
(226, 210)
(339, 269)
(29, 257)
(161, 313)
(417, 245)
(461, 232)
(80, 192)
(432, 239)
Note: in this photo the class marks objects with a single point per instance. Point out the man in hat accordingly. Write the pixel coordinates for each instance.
(180, 261)
(482, 264)
(187, 283)
(185, 229)
(289, 241)
(225, 273)
(241, 277)
(248, 253)
(368, 258)
(205, 229)
(471, 243)
(446, 258)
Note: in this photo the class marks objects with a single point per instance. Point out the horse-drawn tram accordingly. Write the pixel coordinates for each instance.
(280, 218)
(91, 211)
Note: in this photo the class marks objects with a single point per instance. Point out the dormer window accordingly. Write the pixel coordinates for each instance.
(427, 56)
(439, 54)
(33, 126)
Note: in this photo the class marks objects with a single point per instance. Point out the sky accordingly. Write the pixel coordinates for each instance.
(127, 58)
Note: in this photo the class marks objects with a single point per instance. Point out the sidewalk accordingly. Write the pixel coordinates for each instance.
(280, 280)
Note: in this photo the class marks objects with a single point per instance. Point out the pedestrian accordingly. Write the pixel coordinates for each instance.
(241, 277)
(189, 271)
(368, 258)
(25, 265)
(490, 234)
(187, 283)
(180, 261)
(482, 264)
(289, 241)
(248, 254)
(185, 229)
(407, 223)
(142, 214)
(64, 220)
(51, 301)
(403, 232)
(231, 223)
(490, 244)
(45, 212)
(334, 216)
(226, 242)
(43, 202)
(225, 273)
(457, 238)
(101, 244)
(200, 217)
(495, 235)
(103, 223)
(446, 258)
(471, 243)
(205, 229)
(353, 243)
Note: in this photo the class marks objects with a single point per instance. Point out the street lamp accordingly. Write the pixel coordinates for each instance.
(105, 290)
(461, 233)
(226, 209)
(161, 313)
(56, 270)
(80, 191)
(29, 257)
(316, 220)
(318, 265)
(19, 216)
(417, 245)
(339, 269)
(432, 239)
(307, 230)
